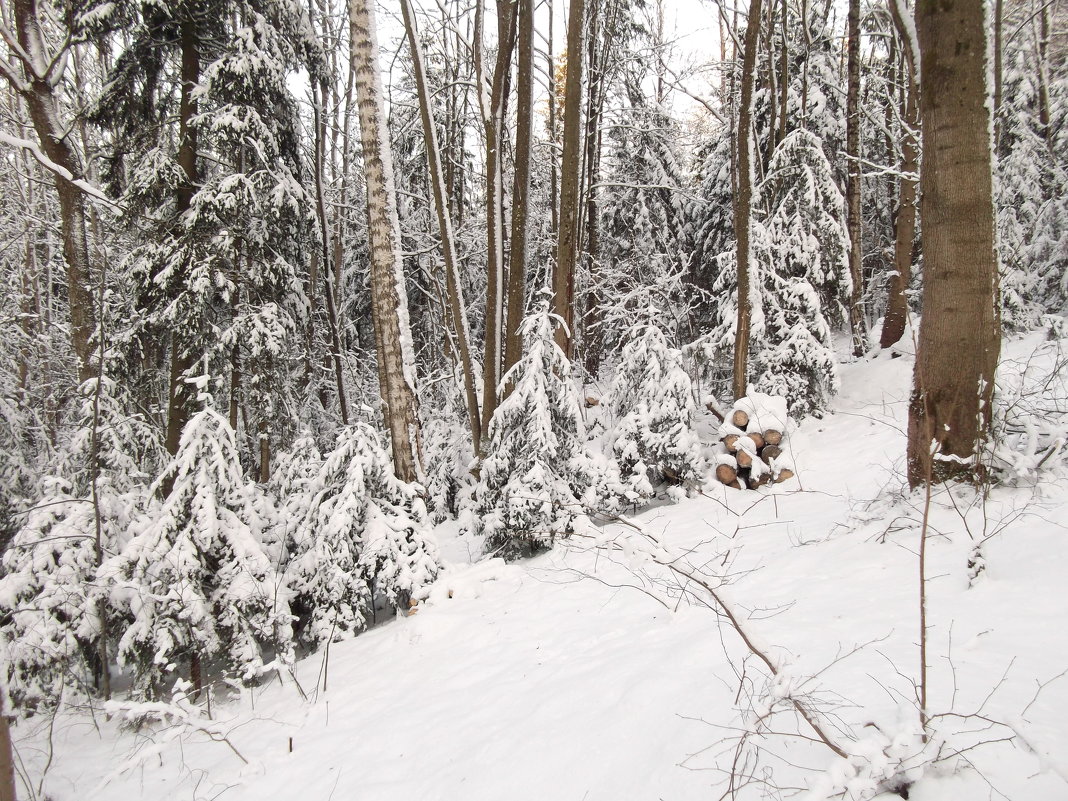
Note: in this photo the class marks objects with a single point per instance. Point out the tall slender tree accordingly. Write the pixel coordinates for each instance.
(389, 301)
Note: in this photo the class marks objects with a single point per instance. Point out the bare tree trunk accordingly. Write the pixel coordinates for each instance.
(904, 225)
(853, 180)
(524, 138)
(493, 117)
(456, 312)
(959, 339)
(998, 69)
(592, 335)
(7, 759)
(567, 242)
(181, 359)
(743, 202)
(784, 77)
(1043, 73)
(389, 301)
(42, 74)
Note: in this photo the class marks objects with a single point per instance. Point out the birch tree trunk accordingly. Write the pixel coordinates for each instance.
(959, 339)
(567, 242)
(389, 302)
(743, 201)
(456, 313)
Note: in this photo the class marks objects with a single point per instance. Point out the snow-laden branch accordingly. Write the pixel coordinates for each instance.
(93, 192)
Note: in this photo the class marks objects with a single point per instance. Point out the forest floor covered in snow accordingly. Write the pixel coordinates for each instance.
(592, 673)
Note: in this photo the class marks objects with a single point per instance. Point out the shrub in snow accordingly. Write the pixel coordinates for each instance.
(365, 535)
(654, 439)
(447, 451)
(50, 599)
(536, 467)
(195, 581)
(293, 486)
(50, 591)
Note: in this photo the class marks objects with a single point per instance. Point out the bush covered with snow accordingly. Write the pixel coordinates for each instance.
(365, 534)
(536, 468)
(654, 440)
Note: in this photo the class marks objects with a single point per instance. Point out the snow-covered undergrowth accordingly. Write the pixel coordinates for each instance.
(595, 671)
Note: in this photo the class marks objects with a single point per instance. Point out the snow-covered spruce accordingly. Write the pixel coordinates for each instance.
(801, 279)
(366, 535)
(653, 440)
(536, 468)
(50, 600)
(196, 582)
(50, 593)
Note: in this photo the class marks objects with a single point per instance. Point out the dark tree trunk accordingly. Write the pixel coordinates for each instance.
(743, 201)
(517, 260)
(567, 242)
(959, 339)
(853, 179)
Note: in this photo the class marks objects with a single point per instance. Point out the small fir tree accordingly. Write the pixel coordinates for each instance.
(365, 535)
(537, 467)
(654, 439)
(196, 582)
(50, 599)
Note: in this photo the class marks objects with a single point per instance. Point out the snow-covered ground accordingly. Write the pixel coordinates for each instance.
(581, 674)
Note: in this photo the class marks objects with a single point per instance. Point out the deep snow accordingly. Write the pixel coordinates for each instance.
(573, 676)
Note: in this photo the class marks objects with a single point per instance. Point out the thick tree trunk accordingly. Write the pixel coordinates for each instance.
(743, 202)
(959, 339)
(853, 180)
(524, 137)
(389, 302)
(7, 759)
(38, 90)
(567, 242)
(456, 311)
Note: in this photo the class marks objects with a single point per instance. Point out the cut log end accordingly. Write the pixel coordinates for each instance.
(725, 474)
(745, 459)
(731, 441)
(740, 419)
(758, 440)
(784, 475)
(773, 437)
(770, 452)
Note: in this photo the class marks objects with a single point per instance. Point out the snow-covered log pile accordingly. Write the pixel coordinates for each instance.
(754, 443)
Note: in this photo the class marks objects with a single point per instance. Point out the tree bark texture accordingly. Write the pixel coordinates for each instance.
(389, 302)
(959, 338)
(743, 201)
(567, 242)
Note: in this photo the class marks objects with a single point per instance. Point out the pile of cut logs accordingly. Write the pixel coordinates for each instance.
(755, 456)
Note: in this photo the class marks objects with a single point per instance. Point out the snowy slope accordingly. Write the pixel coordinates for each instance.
(574, 676)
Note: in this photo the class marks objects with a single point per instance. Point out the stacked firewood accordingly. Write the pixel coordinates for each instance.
(754, 456)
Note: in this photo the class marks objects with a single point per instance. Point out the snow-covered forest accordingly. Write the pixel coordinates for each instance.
(593, 399)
